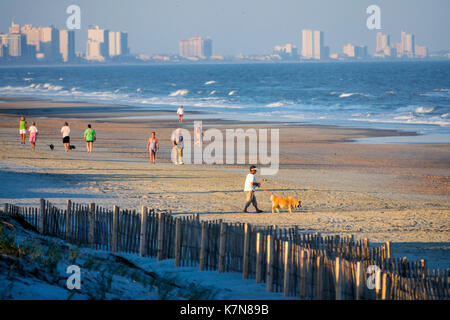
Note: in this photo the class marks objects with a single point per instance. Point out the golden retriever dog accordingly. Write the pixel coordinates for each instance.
(284, 202)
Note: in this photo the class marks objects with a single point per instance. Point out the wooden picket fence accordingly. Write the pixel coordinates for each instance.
(308, 266)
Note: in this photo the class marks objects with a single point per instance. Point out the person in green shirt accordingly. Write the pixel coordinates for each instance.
(22, 129)
(89, 137)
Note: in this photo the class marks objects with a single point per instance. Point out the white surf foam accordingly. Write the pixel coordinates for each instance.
(275, 104)
(278, 104)
(424, 109)
(346, 95)
(181, 92)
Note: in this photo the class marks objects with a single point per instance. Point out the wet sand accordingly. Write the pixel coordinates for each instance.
(397, 193)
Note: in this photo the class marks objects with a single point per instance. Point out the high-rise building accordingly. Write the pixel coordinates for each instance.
(4, 39)
(398, 46)
(361, 52)
(357, 52)
(313, 45)
(421, 51)
(288, 51)
(393, 51)
(14, 29)
(349, 50)
(67, 45)
(383, 42)
(33, 36)
(50, 45)
(3, 45)
(98, 44)
(15, 44)
(307, 44)
(207, 48)
(118, 43)
(318, 45)
(408, 44)
(197, 47)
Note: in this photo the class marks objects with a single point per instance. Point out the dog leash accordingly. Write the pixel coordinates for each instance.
(266, 190)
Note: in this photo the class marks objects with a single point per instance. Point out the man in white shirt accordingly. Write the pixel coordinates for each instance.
(249, 189)
(180, 113)
(65, 130)
(178, 144)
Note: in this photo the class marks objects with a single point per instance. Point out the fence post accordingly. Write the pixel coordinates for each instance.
(302, 287)
(223, 239)
(319, 277)
(388, 249)
(143, 236)
(270, 259)
(68, 214)
(91, 225)
(287, 268)
(177, 253)
(378, 283)
(384, 287)
(5, 208)
(423, 264)
(366, 248)
(359, 281)
(115, 242)
(259, 256)
(246, 251)
(201, 265)
(42, 217)
(338, 278)
(160, 236)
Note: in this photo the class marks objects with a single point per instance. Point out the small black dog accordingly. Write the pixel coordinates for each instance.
(52, 147)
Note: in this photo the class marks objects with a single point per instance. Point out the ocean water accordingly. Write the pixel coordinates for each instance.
(411, 96)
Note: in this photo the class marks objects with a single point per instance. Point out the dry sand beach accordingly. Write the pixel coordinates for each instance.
(397, 193)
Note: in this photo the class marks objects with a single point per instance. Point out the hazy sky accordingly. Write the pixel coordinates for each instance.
(239, 26)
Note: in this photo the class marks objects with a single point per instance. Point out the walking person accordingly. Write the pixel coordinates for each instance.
(178, 145)
(89, 137)
(249, 189)
(33, 135)
(65, 130)
(22, 129)
(180, 113)
(153, 146)
(198, 134)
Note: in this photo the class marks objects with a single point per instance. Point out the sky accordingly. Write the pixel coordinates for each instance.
(239, 26)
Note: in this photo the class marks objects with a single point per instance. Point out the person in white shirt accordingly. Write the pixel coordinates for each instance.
(178, 144)
(180, 113)
(249, 189)
(198, 134)
(33, 135)
(65, 130)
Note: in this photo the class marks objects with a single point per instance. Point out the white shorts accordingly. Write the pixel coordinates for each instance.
(23, 131)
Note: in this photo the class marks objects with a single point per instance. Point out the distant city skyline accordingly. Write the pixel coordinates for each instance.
(249, 27)
(29, 44)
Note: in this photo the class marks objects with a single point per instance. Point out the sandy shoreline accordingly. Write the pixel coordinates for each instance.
(396, 193)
